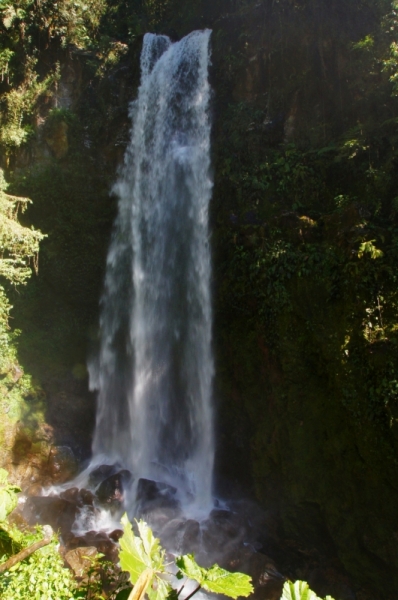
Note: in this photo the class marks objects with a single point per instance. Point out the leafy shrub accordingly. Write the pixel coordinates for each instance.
(42, 576)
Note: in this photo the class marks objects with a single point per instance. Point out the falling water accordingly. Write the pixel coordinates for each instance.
(155, 367)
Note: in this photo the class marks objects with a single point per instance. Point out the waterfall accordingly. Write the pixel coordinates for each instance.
(155, 366)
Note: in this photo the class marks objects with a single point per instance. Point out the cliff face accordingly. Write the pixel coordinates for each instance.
(305, 378)
(304, 244)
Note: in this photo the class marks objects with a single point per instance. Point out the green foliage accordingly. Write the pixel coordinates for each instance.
(19, 248)
(143, 557)
(19, 245)
(19, 102)
(367, 43)
(72, 22)
(369, 248)
(42, 576)
(101, 575)
(215, 579)
(68, 21)
(299, 590)
(27, 28)
(8, 495)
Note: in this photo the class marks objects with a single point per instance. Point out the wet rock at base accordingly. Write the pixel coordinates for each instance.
(62, 464)
(222, 532)
(152, 495)
(192, 538)
(79, 559)
(80, 497)
(267, 580)
(99, 474)
(172, 533)
(116, 535)
(51, 510)
(100, 540)
(181, 534)
(111, 491)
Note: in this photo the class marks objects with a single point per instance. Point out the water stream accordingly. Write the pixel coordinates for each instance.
(154, 370)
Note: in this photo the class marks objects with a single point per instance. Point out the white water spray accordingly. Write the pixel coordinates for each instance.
(155, 367)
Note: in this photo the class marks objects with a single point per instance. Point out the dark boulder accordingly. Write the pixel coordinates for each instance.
(62, 464)
(111, 491)
(79, 497)
(100, 540)
(51, 510)
(116, 535)
(192, 537)
(99, 474)
(222, 531)
(153, 495)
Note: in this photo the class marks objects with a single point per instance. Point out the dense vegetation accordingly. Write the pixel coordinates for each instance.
(305, 239)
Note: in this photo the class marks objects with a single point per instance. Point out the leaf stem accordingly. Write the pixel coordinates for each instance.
(193, 593)
(23, 554)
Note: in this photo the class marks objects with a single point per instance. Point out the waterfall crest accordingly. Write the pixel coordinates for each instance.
(155, 366)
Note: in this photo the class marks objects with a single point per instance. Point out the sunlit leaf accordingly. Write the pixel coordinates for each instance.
(215, 579)
(299, 590)
(144, 553)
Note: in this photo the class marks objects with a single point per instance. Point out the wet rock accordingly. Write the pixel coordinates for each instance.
(62, 464)
(116, 535)
(148, 490)
(100, 473)
(79, 559)
(100, 540)
(86, 497)
(109, 550)
(267, 580)
(191, 540)
(111, 490)
(51, 510)
(70, 494)
(223, 531)
(79, 497)
(73, 541)
(158, 517)
(153, 495)
(172, 533)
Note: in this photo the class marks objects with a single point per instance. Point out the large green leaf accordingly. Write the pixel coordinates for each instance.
(299, 590)
(8, 495)
(215, 579)
(152, 547)
(140, 553)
